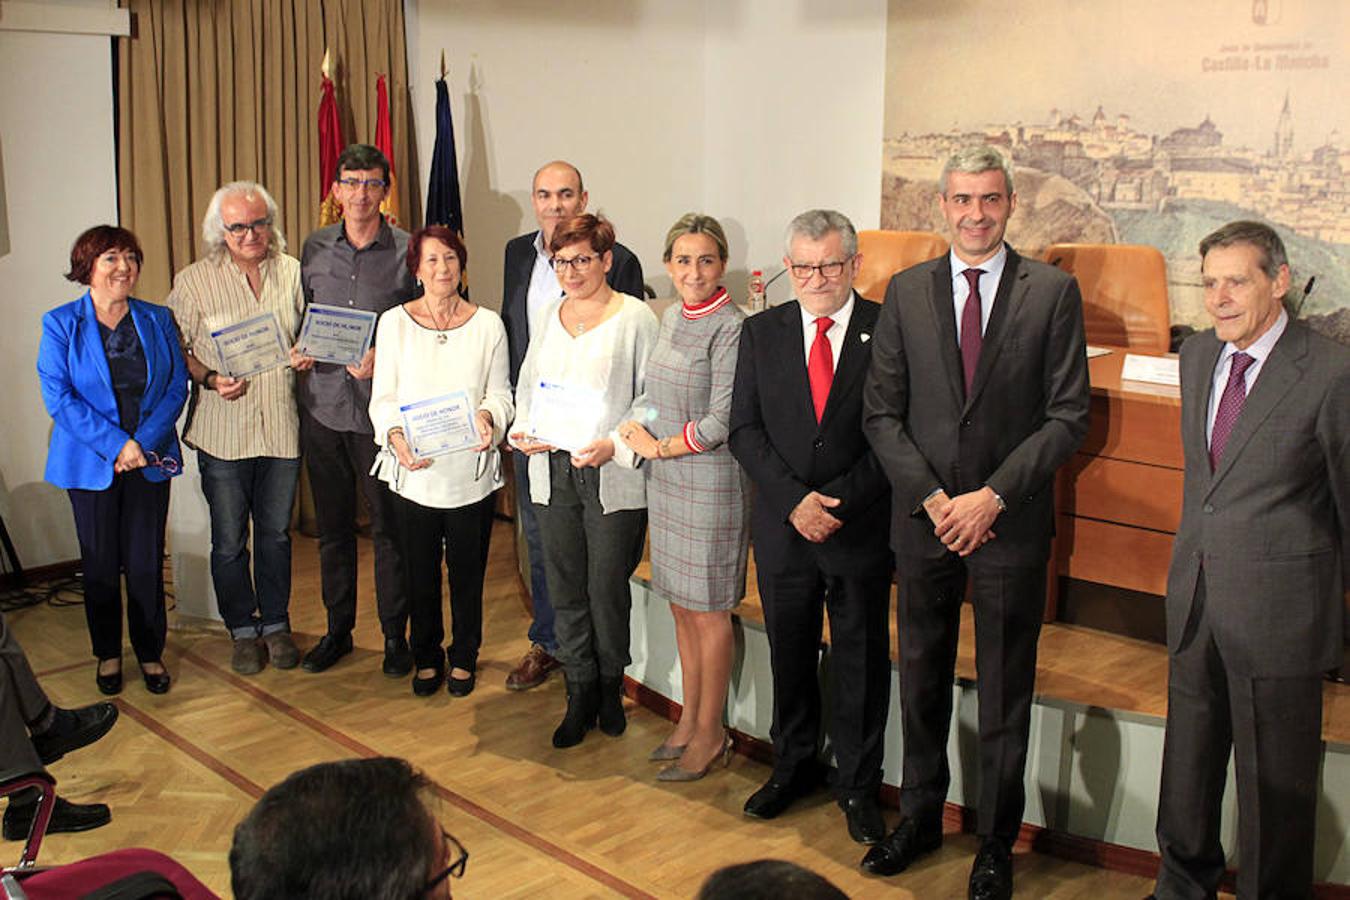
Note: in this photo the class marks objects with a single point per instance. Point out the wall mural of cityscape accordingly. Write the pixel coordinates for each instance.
(1172, 123)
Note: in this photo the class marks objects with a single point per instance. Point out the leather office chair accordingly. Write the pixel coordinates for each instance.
(1124, 290)
(886, 252)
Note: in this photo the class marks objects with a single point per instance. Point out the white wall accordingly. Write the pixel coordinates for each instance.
(57, 177)
(751, 111)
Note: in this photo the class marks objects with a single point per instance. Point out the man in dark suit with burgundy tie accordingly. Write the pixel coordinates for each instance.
(1260, 567)
(978, 392)
(818, 522)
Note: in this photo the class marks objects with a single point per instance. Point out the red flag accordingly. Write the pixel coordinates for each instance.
(384, 142)
(330, 147)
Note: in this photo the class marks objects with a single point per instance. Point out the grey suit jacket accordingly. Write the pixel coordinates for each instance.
(1271, 526)
(1026, 414)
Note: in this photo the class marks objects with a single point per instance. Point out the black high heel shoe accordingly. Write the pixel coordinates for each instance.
(425, 687)
(111, 683)
(157, 682)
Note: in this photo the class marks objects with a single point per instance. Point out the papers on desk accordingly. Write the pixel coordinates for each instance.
(1094, 352)
(1151, 369)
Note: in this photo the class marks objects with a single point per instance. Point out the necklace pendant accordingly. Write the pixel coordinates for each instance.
(581, 326)
(440, 337)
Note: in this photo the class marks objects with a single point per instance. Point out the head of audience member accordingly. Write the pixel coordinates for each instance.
(558, 195)
(242, 220)
(823, 258)
(1245, 273)
(107, 259)
(360, 183)
(696, 257)
(768, 879)
(582, 251)
(437, 259)
(346, 830)
(976, 194)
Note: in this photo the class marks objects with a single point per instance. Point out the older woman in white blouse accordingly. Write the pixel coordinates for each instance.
(580, 377)
(430, 349)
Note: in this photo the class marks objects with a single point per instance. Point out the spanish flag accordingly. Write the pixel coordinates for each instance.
(330, 147)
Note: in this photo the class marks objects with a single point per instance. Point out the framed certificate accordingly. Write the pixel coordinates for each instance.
(566, 416)
(251, 346)
(335, 334)
(440, 425)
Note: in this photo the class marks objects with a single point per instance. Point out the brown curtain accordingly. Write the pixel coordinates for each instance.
(213, 91)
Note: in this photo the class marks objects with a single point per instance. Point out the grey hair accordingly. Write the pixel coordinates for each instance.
(814, 224)
(1256, 234)
(213, 225)
(974, 160)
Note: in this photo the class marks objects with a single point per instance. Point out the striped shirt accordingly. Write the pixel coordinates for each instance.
(208, 295)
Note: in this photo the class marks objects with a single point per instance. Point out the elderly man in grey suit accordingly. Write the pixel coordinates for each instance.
(1259, 570)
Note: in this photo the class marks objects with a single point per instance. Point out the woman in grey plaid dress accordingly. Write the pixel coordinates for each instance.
(696, 492)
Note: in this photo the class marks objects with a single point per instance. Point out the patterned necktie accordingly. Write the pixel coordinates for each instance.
(1230, 407)
(820, 366)
(971, 337)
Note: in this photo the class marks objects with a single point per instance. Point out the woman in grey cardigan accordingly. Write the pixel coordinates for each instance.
(580, 377)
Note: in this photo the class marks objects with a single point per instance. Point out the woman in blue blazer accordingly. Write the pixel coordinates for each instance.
(114, 381)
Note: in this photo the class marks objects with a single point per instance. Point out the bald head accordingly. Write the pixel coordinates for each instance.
(557, 195)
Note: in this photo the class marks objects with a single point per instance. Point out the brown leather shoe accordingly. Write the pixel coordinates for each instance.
(533, 670)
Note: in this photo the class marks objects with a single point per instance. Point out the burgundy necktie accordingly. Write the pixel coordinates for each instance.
(1230, 407)
(971, 337)
(820, 366)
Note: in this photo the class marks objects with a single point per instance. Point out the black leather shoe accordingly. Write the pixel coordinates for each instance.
(156, 682)
(460, 687)
(72, 729)
(902, 847)
(583, 699)
(329, 650)
(108, 685)
(865, 822)
(66, 817)
(774, 798)
(991, 877)
(398, 659)
(425, 687)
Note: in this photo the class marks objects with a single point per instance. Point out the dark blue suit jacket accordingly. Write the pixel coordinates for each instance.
(78, 392)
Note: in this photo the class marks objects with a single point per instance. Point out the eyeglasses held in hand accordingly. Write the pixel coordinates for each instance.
(579, 263)
(166, 464)
(238, 228)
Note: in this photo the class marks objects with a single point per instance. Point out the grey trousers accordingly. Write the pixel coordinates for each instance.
(22, 701)
(588, 559)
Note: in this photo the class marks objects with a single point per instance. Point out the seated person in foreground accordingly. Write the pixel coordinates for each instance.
(768, 879)
(356, 828)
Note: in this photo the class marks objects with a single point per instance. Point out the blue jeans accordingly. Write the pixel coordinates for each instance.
(261, 488)
(541, 629)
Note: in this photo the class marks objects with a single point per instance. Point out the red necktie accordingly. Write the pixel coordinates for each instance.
(1230, 407)
(820, 366)
(971, 337)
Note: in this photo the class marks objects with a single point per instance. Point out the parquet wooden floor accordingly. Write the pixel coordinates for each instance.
(179, 770)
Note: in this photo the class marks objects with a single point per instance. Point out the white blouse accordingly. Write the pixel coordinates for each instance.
(411, 364)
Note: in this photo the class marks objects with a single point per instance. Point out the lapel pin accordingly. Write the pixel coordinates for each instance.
(864, 337)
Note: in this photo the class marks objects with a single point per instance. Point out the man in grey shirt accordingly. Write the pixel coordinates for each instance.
(357, 263)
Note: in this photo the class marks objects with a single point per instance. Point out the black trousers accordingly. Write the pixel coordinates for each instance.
(1008, 606)
(22, 703)
(1273, 726)
(338, 463)
(858, 668)
(461, 535)
(121, 532)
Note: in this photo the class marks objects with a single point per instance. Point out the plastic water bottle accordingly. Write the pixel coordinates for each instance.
(757, 301)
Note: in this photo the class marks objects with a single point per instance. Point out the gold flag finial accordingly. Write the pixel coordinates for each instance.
(327, 67)
(442, 64)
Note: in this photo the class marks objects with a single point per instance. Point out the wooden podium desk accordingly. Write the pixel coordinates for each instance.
(1118, 499)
